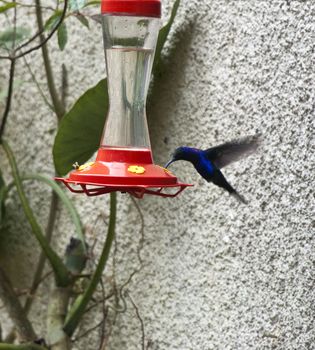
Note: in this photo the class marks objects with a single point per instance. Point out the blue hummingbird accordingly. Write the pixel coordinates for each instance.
(209, 162)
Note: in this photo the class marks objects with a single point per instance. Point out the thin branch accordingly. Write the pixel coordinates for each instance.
(14, 24)
(35, 36)
(64, 85)
(87, 331)
(9, 99)
(57, 103)
(15, 309)
(42, 279)
(139, 318)
(119, 296)
(37, 85)
(44, 40)
(97, 302)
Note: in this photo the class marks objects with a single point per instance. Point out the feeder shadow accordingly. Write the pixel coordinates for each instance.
(167, 84)
(18, 257)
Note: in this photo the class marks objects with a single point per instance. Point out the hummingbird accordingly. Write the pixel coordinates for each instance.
(209, 162)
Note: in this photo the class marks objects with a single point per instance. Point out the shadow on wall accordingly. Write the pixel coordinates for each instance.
(19, 250)
(170, 77)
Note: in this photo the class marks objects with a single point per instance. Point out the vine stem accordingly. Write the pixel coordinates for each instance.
(4, 346)
(79, 307)
(62, 276)
(57, 310)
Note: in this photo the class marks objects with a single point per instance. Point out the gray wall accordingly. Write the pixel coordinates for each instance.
(215, 274)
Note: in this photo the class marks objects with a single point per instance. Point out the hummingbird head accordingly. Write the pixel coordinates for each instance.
(181, 153)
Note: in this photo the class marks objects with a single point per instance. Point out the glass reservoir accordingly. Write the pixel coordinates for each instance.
(129, 43)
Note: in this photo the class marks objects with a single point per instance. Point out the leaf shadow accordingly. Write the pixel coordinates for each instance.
(165, 90)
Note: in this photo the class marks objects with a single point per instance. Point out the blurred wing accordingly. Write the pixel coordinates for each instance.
(230, 152)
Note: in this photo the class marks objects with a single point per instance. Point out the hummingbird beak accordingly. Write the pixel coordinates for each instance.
(169, 163)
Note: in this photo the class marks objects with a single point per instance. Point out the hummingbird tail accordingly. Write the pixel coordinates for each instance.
(239, 197)
(219, 180)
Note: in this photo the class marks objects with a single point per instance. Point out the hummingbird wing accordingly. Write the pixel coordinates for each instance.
(232, 151)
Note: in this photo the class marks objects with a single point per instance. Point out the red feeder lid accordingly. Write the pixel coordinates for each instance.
(146, 8)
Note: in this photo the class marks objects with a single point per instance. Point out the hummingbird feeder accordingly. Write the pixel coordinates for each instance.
(124, 160)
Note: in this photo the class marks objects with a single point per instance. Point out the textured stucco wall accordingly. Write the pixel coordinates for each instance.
(216, 274)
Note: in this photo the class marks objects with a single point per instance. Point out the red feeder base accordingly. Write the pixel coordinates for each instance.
(125, 170)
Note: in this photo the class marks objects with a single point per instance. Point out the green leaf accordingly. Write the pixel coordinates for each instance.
(163, 34)
(6, 7)
(62, 36)
(82, 19)
(53, 20)
(81, 129)
(9, 37)
(76, 5)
